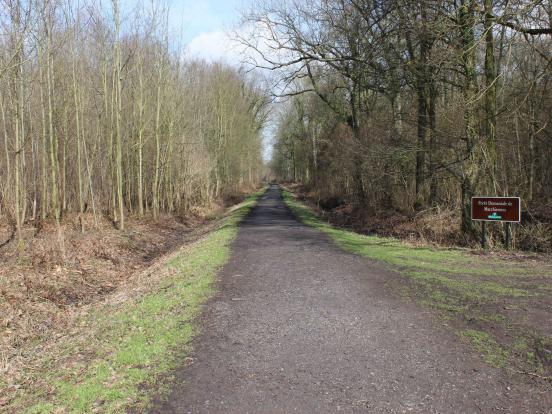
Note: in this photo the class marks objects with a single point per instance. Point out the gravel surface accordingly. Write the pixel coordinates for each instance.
(301, 326)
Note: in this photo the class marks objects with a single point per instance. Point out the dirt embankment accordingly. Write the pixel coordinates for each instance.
(42, 292)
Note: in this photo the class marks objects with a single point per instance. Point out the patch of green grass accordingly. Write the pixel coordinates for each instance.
(493, 317)
(492, 352)
(443, 301)
(146, 337)
(521, 347)
(473, 291)
(544, 287)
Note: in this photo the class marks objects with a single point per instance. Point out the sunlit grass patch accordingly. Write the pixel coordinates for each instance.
(474, 291)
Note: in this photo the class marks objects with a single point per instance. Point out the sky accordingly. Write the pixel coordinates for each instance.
(205, 24)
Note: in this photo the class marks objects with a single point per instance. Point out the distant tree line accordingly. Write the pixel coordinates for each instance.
(100, 114)
(411, 104)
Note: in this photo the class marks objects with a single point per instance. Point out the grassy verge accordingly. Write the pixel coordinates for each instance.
(499, 306)
(119, 349)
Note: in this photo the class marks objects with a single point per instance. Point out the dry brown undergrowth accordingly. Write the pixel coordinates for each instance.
(439, 226)
(41, 295)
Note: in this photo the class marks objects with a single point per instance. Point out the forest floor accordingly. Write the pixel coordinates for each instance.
(298, 324)
(500, 302)
(69, 327)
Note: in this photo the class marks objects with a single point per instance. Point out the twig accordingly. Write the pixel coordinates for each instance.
(532, 374)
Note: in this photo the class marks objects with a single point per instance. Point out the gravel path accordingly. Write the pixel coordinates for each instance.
(301, 326)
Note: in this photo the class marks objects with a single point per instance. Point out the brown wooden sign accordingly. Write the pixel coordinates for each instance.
(496, 209)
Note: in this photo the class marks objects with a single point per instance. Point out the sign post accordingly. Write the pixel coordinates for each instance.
(508, 236)
(502, 209)
(484, 235)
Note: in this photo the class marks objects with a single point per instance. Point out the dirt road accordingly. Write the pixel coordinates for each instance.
(301, 326)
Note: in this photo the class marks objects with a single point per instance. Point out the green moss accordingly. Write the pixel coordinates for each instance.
(143, 338)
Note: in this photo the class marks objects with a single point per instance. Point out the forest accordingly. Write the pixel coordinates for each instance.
(406, 109)
(283, 221)
(104, 117)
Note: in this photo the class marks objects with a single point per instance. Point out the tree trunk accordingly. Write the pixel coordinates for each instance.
(79, 149)
(422, 90)
(53, 140)
(140, 137)
(490, 96)
(44, 198)
(471, 165)
(155, 187)
(433, 144)
(118, 114)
